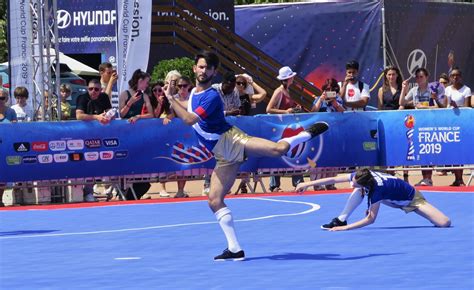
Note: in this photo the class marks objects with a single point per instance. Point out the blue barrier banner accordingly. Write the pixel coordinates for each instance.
(428, 137)
(317, 39)
(75, 149)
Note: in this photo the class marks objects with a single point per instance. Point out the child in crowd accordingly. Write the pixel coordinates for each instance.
(24, 111)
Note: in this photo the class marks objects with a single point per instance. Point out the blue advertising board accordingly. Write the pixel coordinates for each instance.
(74, 149)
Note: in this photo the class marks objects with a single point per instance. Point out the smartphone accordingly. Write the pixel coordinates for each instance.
(330, 95)
(139, 92)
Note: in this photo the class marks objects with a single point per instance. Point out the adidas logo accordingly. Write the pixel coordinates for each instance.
(21, 146)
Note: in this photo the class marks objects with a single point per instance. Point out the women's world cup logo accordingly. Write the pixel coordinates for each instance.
(410, 124)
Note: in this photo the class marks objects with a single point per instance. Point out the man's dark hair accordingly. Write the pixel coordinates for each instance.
(455, 68)
(352, 64)
(211, 58)
(94, 81)
(422, 69)
(229, 77)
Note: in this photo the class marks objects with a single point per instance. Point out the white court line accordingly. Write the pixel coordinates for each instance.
(128, 258)
(313, 207)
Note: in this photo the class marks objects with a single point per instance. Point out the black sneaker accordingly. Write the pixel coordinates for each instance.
(334, 223)
(229, 256)
(317, 128)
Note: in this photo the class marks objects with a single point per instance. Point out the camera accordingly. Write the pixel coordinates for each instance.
(330, 95)
(139, 93)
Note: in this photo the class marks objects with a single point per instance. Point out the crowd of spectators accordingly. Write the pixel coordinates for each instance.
(240, 94)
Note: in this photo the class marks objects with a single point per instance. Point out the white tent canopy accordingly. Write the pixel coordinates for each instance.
(76, 67)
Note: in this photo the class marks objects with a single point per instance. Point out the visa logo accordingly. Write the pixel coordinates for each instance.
(112, 142)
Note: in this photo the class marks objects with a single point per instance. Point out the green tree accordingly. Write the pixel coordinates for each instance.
(184, 65)
(3, 31)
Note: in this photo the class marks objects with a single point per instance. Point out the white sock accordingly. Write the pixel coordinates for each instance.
(297, 139)
(226, 221)
(352, 203)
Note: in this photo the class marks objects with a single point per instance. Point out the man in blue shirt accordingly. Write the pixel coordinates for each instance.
(379, 188)
(231, 146)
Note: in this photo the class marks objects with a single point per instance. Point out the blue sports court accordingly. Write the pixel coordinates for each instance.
(171, 246)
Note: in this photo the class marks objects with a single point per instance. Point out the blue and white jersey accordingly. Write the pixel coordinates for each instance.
(390, 188)
(208, 106)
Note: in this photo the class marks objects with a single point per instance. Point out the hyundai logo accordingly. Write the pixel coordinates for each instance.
(416, 59)
(64, 19)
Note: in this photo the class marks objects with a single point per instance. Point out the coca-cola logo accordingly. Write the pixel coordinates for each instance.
(39, 146)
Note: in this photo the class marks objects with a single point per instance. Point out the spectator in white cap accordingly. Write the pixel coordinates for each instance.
(281, 103)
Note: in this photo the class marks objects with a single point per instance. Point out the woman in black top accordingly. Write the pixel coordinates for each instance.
(389, 93)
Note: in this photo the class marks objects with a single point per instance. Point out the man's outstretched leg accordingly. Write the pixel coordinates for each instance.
(263, 147)
(222, 179)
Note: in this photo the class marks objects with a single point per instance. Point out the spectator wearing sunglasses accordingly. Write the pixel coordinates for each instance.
(24, 111)
(458, 95)
(183, 85)
(161, 109)
(444, 79)
(159, 103)
(94, 104)
(89, 107)
(250, 93)
(7, 114)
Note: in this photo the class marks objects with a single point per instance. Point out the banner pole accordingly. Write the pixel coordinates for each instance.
(384, 35)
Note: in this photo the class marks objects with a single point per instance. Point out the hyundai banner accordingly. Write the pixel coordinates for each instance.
(75, 149)
(87, 27)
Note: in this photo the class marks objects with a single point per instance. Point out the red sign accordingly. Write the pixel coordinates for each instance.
(39, 146)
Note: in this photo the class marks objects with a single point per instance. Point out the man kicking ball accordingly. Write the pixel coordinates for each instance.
(231, 146)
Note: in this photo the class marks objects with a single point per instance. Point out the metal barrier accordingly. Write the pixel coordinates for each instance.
(70, 190)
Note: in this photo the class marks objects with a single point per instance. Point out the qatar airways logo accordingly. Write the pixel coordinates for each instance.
(85, 18)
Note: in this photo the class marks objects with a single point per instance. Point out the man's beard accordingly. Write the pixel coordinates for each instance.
(205, 80)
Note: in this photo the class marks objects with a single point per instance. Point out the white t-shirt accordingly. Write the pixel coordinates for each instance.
(353, 94)
(457, 96)
(23, 114)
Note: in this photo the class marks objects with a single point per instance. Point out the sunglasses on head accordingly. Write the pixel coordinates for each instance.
(241, 83)
(94, 89)
(182, 86)
(157, 90)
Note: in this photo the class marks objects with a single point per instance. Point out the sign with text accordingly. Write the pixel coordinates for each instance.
(75, 149)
